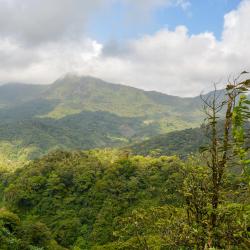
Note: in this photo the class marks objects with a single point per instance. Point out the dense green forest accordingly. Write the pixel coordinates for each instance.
(106, 199)
(81, 196)
(187, 190)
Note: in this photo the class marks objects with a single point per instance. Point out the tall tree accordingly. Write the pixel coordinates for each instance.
(225, 120)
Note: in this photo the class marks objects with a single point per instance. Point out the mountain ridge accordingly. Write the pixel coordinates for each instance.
(85, 112)
(89, 89)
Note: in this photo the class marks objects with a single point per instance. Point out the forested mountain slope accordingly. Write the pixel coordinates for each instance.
(113, 199)
(181, 143)
(84, 112)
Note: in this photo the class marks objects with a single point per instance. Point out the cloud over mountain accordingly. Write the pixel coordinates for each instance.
(40, 41)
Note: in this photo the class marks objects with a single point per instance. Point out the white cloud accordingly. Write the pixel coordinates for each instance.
(169, 61)
(38, 21)
(178, 63)
(174, 62)
(45, 63)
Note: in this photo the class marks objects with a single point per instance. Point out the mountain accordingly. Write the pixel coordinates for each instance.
(87, 93)
(85, 112)
(73, 94)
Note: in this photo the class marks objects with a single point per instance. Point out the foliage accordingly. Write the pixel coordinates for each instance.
(108, 199)
(79, 195)
(15, 235)
(111, 199)
(219, 159)
(241, 115)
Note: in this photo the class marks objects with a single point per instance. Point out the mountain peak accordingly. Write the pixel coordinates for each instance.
(76, 78)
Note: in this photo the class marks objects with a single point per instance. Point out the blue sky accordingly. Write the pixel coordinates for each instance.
(200, 16)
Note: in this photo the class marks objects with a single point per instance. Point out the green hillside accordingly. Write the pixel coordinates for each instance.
(84, 113)
(87, 93)
(116, 200)
(73, 94)
(181, 143)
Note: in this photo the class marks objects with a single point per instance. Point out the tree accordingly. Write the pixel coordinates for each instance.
(225, 120)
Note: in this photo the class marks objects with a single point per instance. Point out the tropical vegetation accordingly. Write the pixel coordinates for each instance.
(196, 198)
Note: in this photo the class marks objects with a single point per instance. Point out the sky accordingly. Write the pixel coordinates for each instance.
(178, 47)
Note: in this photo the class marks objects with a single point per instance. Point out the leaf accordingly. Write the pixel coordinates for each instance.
(230, 86)
(247, 102)
(203, 149)
(247, 83)
(243, 89)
